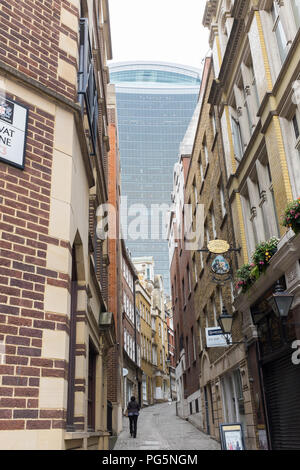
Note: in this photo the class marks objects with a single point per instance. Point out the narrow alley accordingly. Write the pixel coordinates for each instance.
(160, 429)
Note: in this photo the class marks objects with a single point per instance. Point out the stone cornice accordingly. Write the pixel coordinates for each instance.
(209, 12)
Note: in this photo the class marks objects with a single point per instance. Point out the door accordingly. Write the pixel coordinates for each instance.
(282, 389)
(206, 404)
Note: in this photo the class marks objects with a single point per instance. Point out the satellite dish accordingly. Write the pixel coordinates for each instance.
(125, 372)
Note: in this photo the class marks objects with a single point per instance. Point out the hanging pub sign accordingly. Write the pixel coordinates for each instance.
(218, 246)
(221, 270)
(220, 266)
(13, 132)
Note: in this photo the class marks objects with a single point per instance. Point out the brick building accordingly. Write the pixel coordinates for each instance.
(143, 304)
(54, 326)
(161, 380)
(255, 49)
(115, 360)
(131, 325)
(182, 291)
(220, 367)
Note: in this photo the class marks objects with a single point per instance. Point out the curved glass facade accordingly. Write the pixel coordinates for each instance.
(153, 116)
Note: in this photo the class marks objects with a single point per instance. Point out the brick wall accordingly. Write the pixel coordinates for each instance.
(24, 221)
(35, 45)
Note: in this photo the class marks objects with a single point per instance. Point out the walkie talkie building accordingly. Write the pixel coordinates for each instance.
(155, 103)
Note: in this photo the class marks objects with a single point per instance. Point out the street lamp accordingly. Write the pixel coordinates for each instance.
(280, 301)
(225, 322)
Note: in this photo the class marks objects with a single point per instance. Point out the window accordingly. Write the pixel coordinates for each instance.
(205, 153)
(195, 269)
(219, 291)
(213, 223)
(91, 387)
(194, 344)
(214, 309)
(296, 126)
(206, 232)
(195, 191)
(87, 90)
(213, 122)
(279, 32)
(201, 170)
(201, 260)
(222, 200)
(200, 334)
(237, 139)
(295, 4)
(183, 291)
(189, 278)
(187, 352)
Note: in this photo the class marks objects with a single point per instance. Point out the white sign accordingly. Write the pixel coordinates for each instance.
(215, 338)
(13, 130)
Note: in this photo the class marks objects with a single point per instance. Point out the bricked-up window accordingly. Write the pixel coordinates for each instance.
(87, 90)
(91, 387)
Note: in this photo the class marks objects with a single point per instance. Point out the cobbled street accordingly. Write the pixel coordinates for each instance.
(160, 429)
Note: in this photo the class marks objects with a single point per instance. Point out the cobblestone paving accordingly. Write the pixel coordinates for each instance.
(160, 429)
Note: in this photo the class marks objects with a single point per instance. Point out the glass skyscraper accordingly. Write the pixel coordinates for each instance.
(155, 103)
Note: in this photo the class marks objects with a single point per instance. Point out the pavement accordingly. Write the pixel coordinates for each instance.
(160, 429)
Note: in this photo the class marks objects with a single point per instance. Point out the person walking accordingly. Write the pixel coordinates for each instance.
(133, 409)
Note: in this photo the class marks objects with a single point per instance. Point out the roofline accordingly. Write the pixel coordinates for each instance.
(156, 63)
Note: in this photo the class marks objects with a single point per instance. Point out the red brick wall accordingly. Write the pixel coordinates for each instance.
(29, 40)
(114, 268)
(24, 221)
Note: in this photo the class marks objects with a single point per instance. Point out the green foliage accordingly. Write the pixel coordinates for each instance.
(249, 273)
(291, 217)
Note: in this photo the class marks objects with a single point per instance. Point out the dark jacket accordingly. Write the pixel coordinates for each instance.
(133, 408)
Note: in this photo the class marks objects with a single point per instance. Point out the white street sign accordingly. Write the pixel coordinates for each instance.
(13, 131)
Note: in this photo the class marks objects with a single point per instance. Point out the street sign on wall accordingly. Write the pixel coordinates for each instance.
(215, 338)
(13, 132)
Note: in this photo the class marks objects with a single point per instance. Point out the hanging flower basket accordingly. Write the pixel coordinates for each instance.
(249, 273)
(263, 253)
(291, 217)
(244, 279)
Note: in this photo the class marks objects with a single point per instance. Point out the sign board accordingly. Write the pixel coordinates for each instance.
(215, 338)
(232, 436)
(218, 246)
(13, 131)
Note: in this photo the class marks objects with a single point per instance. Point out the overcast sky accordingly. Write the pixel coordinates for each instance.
(162, 30)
